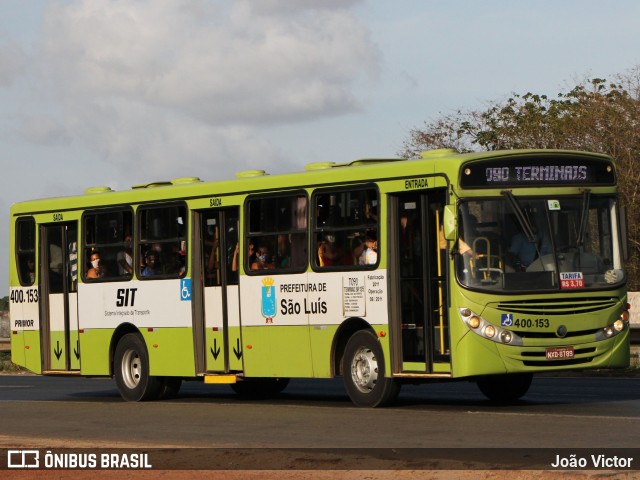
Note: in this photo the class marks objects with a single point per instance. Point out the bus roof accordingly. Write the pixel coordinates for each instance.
(443, 161)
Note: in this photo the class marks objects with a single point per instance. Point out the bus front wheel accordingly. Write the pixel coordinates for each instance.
(131, 367)
(363, 372)
(505, 388)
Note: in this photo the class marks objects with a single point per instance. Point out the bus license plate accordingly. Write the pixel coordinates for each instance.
(560, 353)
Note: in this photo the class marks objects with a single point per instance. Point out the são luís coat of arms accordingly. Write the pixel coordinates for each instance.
(269, 305)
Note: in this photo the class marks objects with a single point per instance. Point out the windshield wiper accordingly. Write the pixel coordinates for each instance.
(584, 217)
(527, 229)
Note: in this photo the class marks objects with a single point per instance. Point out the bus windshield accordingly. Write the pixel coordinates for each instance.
(539, 244)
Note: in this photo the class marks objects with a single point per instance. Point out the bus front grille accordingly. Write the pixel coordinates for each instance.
(559, 306)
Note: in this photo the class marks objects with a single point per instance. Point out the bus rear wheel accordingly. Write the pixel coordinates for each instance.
(505, 388)
(363, 372)
(131, 368)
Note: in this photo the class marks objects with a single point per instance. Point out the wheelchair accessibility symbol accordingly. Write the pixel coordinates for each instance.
(506, 320)
(185, 289)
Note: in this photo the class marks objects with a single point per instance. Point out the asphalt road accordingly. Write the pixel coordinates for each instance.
(558, 412)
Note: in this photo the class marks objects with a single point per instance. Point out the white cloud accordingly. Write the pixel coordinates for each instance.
(154, 81)
(223, 65)
(13, 63)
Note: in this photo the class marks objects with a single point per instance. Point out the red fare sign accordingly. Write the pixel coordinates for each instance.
(571, 280)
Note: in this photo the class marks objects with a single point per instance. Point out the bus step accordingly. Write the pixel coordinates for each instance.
(220, 379)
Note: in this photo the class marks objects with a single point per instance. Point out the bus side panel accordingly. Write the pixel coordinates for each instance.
(171, 351)
(25, 322)
(159, 309)
(17, 348)
(322, 341)
(33, 356)
(276, 351)
(94, 349)
(322, 337)
(275, 326)
(342, 297)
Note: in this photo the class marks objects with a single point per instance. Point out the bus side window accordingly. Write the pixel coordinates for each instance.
(346, 227)
(108, 243)
(26, 250)
(277, 234)
(162, 244)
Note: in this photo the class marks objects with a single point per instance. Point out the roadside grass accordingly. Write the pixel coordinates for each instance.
(6, 365)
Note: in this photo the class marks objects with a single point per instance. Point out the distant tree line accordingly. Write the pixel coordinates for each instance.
(596, 115)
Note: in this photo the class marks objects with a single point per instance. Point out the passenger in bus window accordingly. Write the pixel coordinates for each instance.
(283, 258)
(298, 243)
(175, 265)
(31, 269)
(370, 213)
(263, 259)
(370, 254)
(96, 270)
(125, 257)
(152, 266)
(357, 247)
(329, 253)
(234, 259)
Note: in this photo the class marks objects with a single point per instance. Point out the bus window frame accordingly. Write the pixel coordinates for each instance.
(248, 234)
(139, 240)
(19, 252)
(316, 231)
(86, 253)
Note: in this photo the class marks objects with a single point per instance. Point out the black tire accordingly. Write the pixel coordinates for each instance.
(170, 388)
(260, 387)
(131, 369)
(364, 374)
(505, 388)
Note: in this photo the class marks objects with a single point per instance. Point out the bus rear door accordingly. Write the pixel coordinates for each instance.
(216, 295)
(59, 293)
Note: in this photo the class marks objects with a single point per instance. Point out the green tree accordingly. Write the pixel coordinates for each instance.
(4, 304)
(595, 115)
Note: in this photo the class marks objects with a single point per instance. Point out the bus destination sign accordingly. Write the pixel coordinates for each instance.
(537, 171)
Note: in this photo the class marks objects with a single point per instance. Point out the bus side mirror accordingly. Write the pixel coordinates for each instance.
(449, 222)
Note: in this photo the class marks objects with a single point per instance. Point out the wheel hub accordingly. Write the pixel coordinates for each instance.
(131, 368)
(364, 370)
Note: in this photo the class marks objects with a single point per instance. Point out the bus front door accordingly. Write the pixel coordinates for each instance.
(59, 287)
(419, 270)
(217, 301)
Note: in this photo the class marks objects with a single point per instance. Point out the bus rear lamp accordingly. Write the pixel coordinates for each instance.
(608, 331)
(619, 325)
(466, 312)
(490, 331)
(505, 336)
(624, 316)
(474, 322)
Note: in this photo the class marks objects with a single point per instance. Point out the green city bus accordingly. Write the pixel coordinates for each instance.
(487, 267)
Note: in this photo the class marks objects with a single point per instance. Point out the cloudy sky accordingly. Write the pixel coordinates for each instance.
(119, 92)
